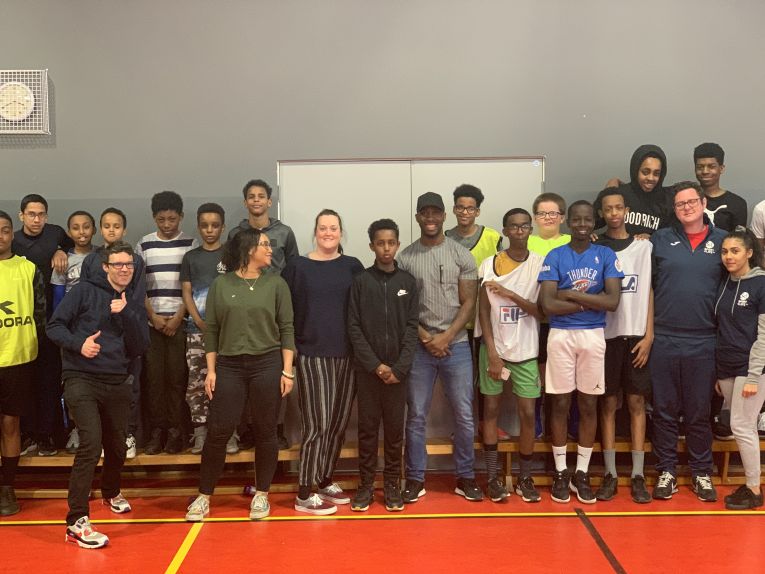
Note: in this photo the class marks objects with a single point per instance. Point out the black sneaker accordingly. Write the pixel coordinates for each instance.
(704, 489)
(9, 506)
(665, 486)
(468, 488)
(638, 490)
(560, 486)
(154, 446)
(284, 444)
(580, 484)
(496, 490)
(393, 500)
(607, 488)
(413, 491)
(742, 499)
(45, 447)
(526, 490)
(28, 446)
(365, 495)
(722, 431)
(175, 443)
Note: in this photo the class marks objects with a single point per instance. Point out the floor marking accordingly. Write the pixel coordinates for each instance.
(403, 516)
(184, 549)
(618, 568)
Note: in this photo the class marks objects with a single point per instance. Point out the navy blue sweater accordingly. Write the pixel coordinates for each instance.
(85, 310)
(685, 282)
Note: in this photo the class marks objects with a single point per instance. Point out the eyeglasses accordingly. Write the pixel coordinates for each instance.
(32, 215)
(550, 214)
(462, 209)
(266, 244)
(690, 203)
(516, 227)
(121, 265)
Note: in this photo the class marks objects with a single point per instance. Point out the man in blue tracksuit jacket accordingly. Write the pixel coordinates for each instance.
(687, 270)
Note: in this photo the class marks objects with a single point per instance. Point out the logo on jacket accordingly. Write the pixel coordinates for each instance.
(743, 299)
(674, 243)
(709, 247)
(402, 292)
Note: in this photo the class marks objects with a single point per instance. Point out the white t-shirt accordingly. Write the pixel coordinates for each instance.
(758, 220)
(516, 333)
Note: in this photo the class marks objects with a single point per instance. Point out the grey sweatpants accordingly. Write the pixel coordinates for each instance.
(743, 423)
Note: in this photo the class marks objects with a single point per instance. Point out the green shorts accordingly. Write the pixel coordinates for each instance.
(524, 376)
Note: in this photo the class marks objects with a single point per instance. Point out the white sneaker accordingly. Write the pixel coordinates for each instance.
(198, 509)
(314, 505)
(118, 504)
(84, 536)
(259, 507)
(232, 446)
(334, 494)
(73, 442)
(130, 444)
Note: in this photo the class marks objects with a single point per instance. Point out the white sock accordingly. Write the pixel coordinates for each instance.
(583, 458)
(559, 455)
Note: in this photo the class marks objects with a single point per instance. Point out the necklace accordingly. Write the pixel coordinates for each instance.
(251, 285)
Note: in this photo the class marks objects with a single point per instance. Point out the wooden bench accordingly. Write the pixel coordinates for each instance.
(158, 466)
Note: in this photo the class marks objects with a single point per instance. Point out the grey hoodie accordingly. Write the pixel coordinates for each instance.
(283, 242)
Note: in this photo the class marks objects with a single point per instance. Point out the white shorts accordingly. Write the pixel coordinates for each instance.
(576, 361)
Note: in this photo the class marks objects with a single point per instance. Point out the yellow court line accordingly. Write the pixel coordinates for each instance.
(184, 549)
(401, 516)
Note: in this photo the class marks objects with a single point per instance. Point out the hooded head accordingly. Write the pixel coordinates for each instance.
(649, 177)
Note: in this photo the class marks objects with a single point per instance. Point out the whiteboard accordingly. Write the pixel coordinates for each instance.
(363, 190)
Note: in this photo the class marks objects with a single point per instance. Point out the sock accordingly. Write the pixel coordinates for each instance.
(490, 456)
(325, 483)
(637, 463)
(609, 460)
(10, 464)
(525, 464)
(559, 456)
(304, 492)
(583, 458)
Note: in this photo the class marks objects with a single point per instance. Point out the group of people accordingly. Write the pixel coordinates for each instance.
(662, 308)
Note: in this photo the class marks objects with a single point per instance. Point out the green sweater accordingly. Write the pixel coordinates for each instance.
(241, 321)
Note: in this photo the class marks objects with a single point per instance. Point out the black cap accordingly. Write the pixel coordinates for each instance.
(430, 199)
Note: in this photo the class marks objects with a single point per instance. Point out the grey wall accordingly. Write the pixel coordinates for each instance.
(199, 96)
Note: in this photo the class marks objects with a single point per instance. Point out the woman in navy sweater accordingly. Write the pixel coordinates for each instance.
(320, 284)
(740, 312)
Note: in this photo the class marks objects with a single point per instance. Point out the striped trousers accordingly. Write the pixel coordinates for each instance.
(326, 390)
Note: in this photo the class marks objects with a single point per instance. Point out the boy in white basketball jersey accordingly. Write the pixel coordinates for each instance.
(509, 323)
(579, 283)
(629, 336)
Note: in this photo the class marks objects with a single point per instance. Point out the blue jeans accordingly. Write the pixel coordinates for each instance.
(456, 373)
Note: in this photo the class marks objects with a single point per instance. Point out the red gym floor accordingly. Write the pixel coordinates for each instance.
(440, 533)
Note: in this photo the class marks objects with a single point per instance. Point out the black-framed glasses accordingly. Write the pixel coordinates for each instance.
(550, 214)
(691, 203)
(121, 265)
(462, 209)
(516, 227)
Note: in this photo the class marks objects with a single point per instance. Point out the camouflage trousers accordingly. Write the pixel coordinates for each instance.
(199, 404)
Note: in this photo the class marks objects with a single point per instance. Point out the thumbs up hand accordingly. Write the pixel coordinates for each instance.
(119, 304)
(90, 348)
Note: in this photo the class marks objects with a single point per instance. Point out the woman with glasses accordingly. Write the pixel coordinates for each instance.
(249, 345)
(320, 284)
(740, 312)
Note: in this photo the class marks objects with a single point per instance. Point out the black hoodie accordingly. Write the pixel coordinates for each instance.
(649, 211)
(85, 310)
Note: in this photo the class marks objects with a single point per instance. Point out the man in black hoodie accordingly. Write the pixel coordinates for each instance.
(648, 200)
(100, 329)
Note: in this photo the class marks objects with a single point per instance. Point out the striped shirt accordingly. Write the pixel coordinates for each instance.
(163, 269)
(438, 270)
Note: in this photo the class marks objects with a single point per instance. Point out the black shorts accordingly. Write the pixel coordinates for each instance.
(16, 390)
(544, 332)
(620, 373)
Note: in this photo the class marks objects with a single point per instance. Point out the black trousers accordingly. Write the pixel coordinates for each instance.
(378, 401)
(253, 380)
(100, 411)
(165, 379)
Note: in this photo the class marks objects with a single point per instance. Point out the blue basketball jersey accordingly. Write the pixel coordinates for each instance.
(586, 272)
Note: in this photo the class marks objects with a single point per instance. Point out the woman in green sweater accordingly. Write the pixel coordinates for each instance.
(249, 345)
